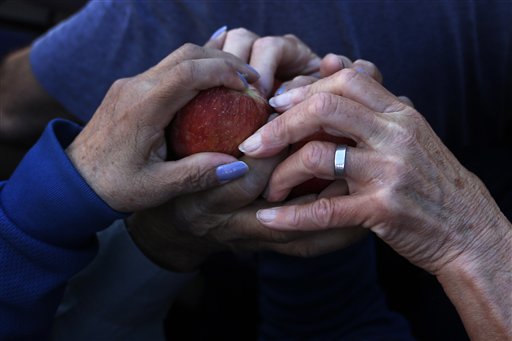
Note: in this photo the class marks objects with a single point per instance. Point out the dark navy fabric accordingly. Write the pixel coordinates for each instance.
(330, 297)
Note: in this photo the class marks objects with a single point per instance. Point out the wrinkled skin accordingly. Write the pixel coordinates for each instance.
(404, 185)
(121, 152)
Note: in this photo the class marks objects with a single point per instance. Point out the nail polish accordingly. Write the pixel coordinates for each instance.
(242, 77)
(253, 70)
(231, 171)
(219, 32)
(279, 91)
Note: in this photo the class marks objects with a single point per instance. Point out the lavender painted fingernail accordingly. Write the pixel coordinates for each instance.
(361, 70)
(279, 91)
(253, 70)
(231, 171)
(242, 77)
(219, 32)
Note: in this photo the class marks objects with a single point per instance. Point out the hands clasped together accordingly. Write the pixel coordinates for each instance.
(400, 181)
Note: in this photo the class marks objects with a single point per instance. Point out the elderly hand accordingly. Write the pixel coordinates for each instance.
(275, 57)
(121, 152)
(182, 233)
(404, 184)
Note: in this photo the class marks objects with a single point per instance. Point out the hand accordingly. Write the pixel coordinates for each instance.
(404, 184)
(121, 152)
(182, 233)
(274, 57)
(329, 65)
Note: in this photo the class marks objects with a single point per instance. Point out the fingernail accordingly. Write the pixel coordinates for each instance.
(242, 77)
(253, 70)
(282, 100)
(267, 215)
(361, 70)
(251, 144)
(231, 171)
(219, 32)
(279, 91)
(314, 64)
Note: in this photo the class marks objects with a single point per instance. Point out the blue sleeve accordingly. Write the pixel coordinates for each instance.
(48, 220)
(78, 60)
(331, 297)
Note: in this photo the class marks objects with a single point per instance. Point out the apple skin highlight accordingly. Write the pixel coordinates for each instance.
(217, 120)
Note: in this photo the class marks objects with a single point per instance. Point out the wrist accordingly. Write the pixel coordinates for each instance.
(479, 283)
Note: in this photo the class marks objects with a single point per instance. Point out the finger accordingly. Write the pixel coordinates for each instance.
(217, 39)
(333, 63)
(307, 163)
(322, 214)
(177, 86)
(357, 85)
(297, 82)
(243, 225)
(336, 188)
(316, 160)
(282, 58)
(406, 101)
(368, 68)
(239, 42)
(189, 52)
(191, 174)
(336, 115)
(240, 192)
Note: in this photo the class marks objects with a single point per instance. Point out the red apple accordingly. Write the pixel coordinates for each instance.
(217, 120)
(315, 185)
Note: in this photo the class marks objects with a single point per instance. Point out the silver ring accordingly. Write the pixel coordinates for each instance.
(339, 161)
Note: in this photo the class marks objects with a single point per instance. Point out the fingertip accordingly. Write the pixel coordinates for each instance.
(218, 33)
(267, 216)
(231, 171)
(252, 144)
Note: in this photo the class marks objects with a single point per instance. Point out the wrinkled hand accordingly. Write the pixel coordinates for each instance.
(182, 233)
(274, 57)
(404, 184)
(121, 152)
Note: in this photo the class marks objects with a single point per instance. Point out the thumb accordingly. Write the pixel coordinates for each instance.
(196, 173)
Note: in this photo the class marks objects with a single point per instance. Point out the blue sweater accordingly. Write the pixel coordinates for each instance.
(48, 220)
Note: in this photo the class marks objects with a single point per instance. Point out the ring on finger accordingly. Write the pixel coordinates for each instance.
(339, 161)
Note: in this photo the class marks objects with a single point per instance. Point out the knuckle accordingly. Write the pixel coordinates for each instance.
(189, 49)
(292, 37)
(322, 103)
(267, 42)
(322, 213)
(346, 76)
(313, 156)
(186, 71)
(240, 32)
(120, 83)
